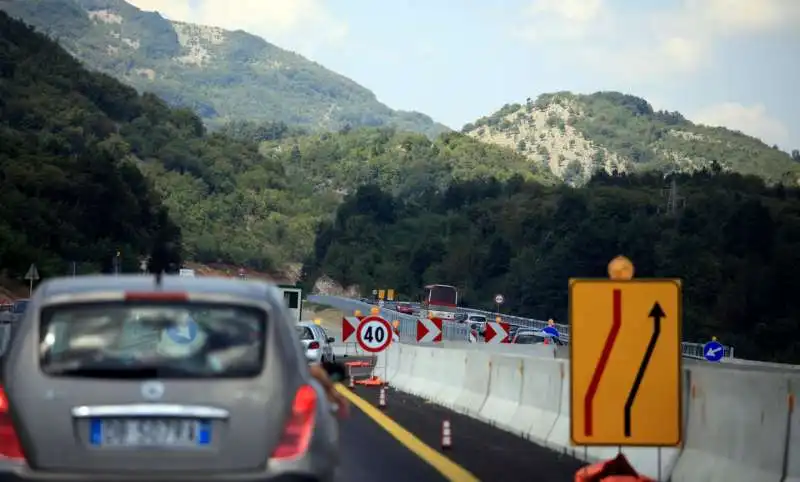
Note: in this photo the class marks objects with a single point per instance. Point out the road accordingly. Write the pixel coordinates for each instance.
(480, 450)
(370, 453)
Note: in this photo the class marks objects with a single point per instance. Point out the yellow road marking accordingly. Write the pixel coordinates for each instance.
(449, 469)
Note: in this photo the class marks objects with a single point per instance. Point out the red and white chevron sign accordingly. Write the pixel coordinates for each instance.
(496, 332)
(429, 330)
(349, 327)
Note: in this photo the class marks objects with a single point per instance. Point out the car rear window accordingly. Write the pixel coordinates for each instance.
(528, 339)
(161, 340)
(305, 332)
(479, 319)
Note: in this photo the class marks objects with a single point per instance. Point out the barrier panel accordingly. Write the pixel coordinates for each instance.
(740, 425)
(504, 391)
(476, 384)
(540, 401)
(793, 447)
(453, 371)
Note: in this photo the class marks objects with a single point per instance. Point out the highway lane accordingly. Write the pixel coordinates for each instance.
(485, 451)
(370, 453)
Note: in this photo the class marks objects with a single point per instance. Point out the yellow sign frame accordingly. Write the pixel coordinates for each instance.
(640, 382)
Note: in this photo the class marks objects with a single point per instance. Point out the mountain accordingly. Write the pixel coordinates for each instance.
(67, 194)
(575, 135)
(734, 242)
(249, 194)
(221, 75)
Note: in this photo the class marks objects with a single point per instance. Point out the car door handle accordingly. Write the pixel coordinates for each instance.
(150, 410)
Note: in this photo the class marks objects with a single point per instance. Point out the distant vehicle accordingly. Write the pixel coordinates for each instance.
(316, 342)
(293, 296)
(17, 311)
(187, 273)
(534, 337)
(404, 308)
(197, 378)
(439, 301)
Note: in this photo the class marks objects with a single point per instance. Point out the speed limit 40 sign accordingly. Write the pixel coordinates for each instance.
(374, 334)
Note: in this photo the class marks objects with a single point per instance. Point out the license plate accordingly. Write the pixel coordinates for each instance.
(149, 432)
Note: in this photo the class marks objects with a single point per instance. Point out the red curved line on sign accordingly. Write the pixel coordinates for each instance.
(616, 323)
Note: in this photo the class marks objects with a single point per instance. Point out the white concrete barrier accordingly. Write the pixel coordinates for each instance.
(452, 379)
(476, 384)
(793, 446)
(540, 400)
(505, 391)
(740, 425)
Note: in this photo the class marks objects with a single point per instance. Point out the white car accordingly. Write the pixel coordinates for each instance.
(316, 342)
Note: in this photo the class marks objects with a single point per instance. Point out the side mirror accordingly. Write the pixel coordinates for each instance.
(336, 371)
(331, 339)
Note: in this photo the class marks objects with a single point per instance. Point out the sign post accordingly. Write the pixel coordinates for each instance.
(713, 351)
(625, 359)
(498, 300)
(32, 275)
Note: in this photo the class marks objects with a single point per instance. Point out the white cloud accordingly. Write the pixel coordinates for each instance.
(301, 25)
(753, 120)
(638, 45)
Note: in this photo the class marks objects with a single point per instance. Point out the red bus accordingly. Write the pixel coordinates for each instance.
(439, 301)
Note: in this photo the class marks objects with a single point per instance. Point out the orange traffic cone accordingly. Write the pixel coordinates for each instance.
(447, 436)
(382, 398)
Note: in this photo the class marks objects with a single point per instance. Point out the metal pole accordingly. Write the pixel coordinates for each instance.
(30, 287)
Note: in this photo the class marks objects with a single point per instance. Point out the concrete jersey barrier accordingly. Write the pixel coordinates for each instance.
(739, 425)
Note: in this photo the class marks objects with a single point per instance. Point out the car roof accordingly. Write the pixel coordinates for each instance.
(530, 332)
(251, 290)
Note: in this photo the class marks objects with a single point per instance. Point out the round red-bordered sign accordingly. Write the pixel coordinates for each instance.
(374, 334)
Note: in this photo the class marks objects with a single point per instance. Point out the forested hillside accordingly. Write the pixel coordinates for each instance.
(576, 135)
(233, 203)
(221, 75)
(66, 192)
(75, 145)
(734, 242)
(406, 164)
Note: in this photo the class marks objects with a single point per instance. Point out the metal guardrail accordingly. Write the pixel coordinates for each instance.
(408, 323)
(408, 327)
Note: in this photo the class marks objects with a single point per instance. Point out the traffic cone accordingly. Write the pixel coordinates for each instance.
(447, 436)
(382, 398)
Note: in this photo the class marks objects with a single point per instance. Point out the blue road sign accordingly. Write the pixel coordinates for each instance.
(184, 333)
(713, 351)
(551, 330)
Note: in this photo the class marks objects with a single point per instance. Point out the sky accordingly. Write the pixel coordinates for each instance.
(732, 63)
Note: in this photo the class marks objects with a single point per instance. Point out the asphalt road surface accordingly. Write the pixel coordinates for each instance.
(371, 454)
(487, 452)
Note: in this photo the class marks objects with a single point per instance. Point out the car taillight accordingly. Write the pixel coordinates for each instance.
(314, 345)
(9, 441)
(297, 433)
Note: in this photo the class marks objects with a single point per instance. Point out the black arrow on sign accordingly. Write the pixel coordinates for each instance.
(656, 313)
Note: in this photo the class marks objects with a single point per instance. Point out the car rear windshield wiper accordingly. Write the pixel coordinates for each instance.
(123, 371)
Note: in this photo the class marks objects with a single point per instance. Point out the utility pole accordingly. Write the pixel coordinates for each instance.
(675, 201)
